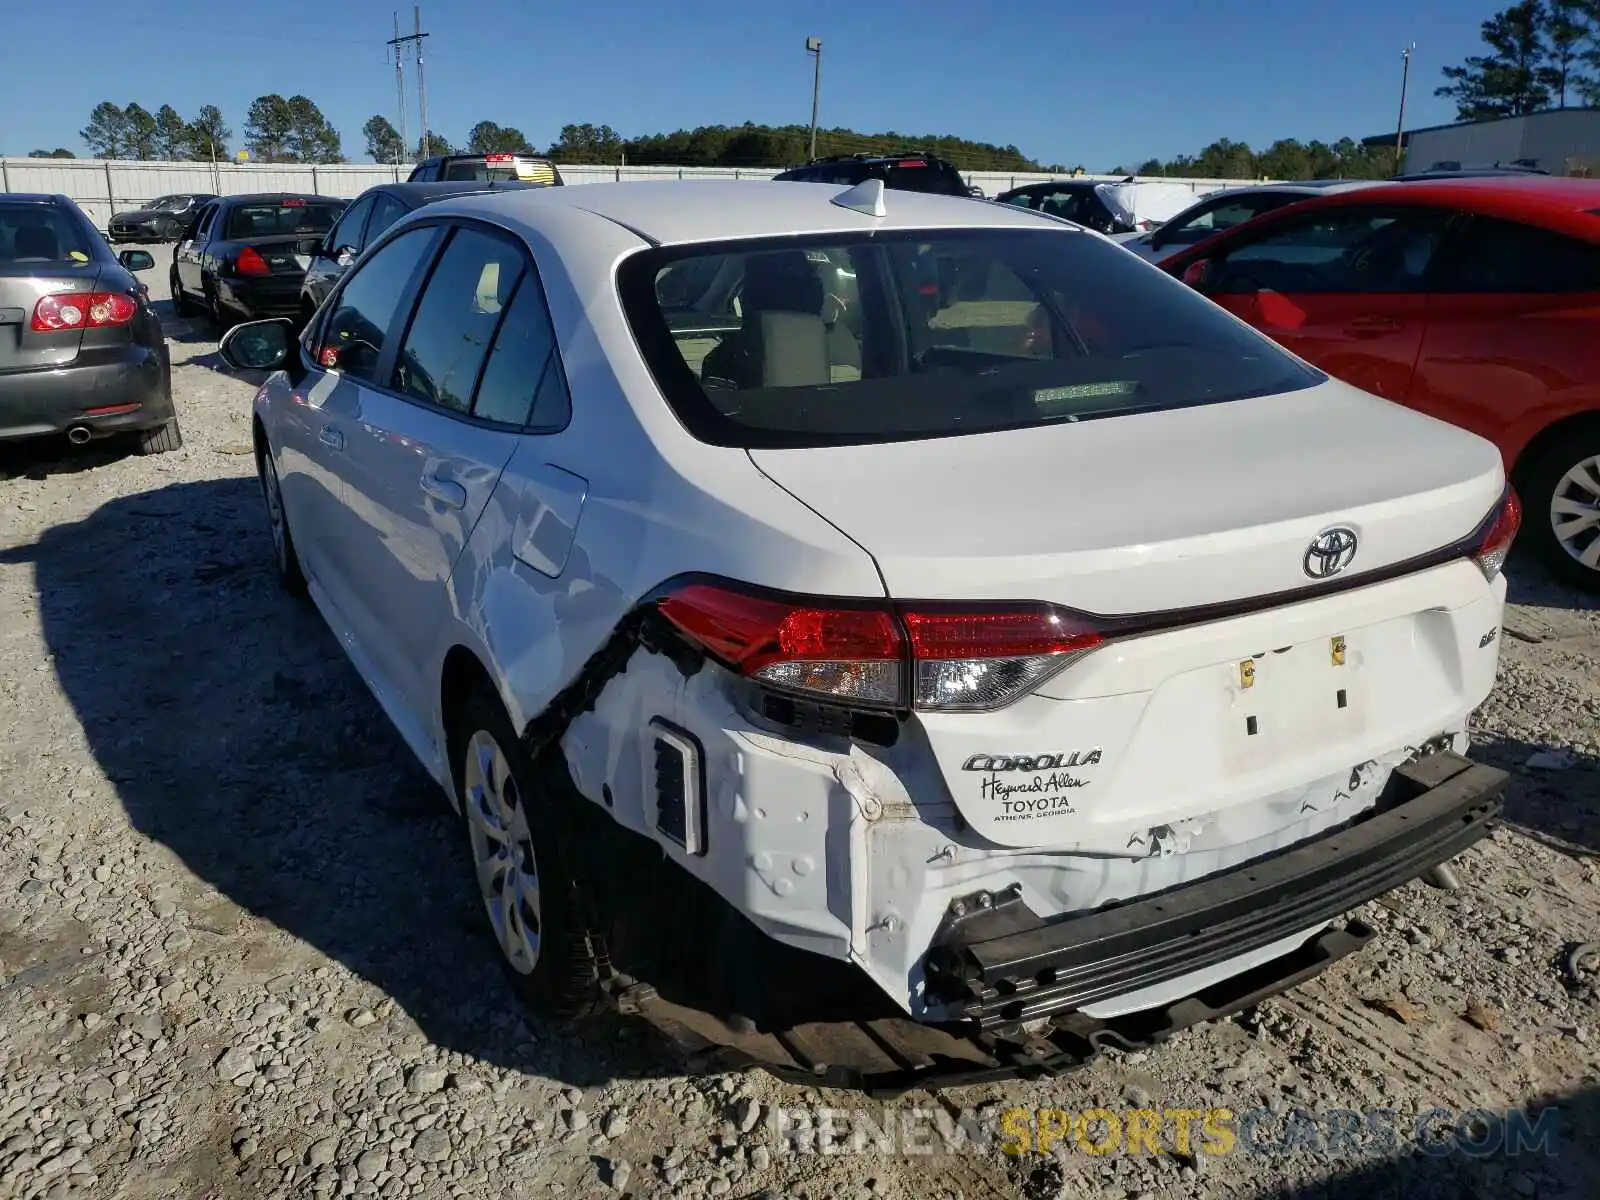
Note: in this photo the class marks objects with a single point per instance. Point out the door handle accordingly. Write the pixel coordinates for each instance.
(446, 491)
(1370, 327)
(331, 438)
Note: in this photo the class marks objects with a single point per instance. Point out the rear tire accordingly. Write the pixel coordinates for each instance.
(181, 304)
(163, 439)
(217, 313)
(1561, 507)
(525, 871)
(285, 558)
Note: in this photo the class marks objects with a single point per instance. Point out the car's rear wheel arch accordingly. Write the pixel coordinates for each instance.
(462, 675)
(1552, 434)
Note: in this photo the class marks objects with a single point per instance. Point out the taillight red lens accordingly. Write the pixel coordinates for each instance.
(250, 262)
(82, 310)
(930, 658)
(1496, 545)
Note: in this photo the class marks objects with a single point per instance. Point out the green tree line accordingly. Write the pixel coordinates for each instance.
(1287, 158)
(275, 130)
(1540, 54)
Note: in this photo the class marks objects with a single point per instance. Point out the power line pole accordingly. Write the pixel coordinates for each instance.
(814, 46)
(1400, 127)
(422, 87)
(400, 86)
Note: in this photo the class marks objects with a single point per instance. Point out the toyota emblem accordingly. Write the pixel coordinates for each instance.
(1330, 552)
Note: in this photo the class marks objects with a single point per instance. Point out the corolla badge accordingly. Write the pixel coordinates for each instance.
(1330, 552)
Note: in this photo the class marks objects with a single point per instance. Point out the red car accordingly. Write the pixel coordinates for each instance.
(1474, 300)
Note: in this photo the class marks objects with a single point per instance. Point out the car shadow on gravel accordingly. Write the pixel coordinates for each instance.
(1554, 793)
(40, 458)
(238, 736)
(1529, 581)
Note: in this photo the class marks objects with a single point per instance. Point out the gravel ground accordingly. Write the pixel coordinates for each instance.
(240, 955)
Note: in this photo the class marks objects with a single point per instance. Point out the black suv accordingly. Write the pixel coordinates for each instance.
(487, 168)
(903, 172)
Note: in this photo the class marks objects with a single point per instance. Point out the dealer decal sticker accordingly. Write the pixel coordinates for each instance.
(1044, 792)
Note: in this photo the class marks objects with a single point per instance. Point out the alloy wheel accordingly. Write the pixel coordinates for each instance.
(502, 851)
(1575, 512)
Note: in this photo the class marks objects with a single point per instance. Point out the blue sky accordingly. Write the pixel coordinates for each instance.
(1097, 84)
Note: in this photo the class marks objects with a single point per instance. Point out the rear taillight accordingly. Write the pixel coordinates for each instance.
(934, 658)
(978, 660)
(497, 158)
(250, 262)
(82, 310)
(1496, 545)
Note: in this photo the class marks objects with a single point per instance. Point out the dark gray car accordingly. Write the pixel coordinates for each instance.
(81, 347)
(162, 220)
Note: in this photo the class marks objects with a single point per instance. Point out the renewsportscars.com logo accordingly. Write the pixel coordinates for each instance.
(1193, 1132)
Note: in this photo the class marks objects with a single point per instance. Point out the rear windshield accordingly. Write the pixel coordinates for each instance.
(41, 233)
(269, 220)
(920, 175)
(861, 339)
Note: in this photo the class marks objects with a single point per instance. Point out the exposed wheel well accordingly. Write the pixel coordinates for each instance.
(462, 674)
(1546, 437)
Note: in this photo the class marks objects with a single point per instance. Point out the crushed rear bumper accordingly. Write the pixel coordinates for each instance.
(1000, 965)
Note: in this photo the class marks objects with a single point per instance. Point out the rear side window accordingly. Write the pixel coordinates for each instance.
(456, 319)
(862, 339)
(41, 233)
(523, 383)
(1507, 257)
(248, 221)
(352, 338)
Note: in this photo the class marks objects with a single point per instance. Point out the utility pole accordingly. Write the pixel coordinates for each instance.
(400, 87)
(1400, 126)
(814, 46)
(422, 87)
(422, 84)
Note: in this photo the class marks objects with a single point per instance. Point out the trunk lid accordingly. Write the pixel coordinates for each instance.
(22, 284)
(1165, 726)
(1145, 513)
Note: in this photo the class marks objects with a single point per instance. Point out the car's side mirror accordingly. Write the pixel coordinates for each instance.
(258, 345)
(1200, 274)
(137, 260)
(344, 255)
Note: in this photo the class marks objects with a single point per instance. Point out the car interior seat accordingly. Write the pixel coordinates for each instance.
(782, 340)
(35, 242)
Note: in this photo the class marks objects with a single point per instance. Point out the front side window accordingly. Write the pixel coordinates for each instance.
(352, 337)
(1342, 250)
(456, 319)
(347, 233)
(1223, 214)
(386, 210)
(862, 339)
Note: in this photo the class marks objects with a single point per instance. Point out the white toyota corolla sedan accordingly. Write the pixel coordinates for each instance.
(882, 614)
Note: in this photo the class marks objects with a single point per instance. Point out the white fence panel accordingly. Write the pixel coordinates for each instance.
(101, 187)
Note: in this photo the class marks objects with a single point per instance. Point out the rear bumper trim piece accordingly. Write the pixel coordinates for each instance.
(1003, 965)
